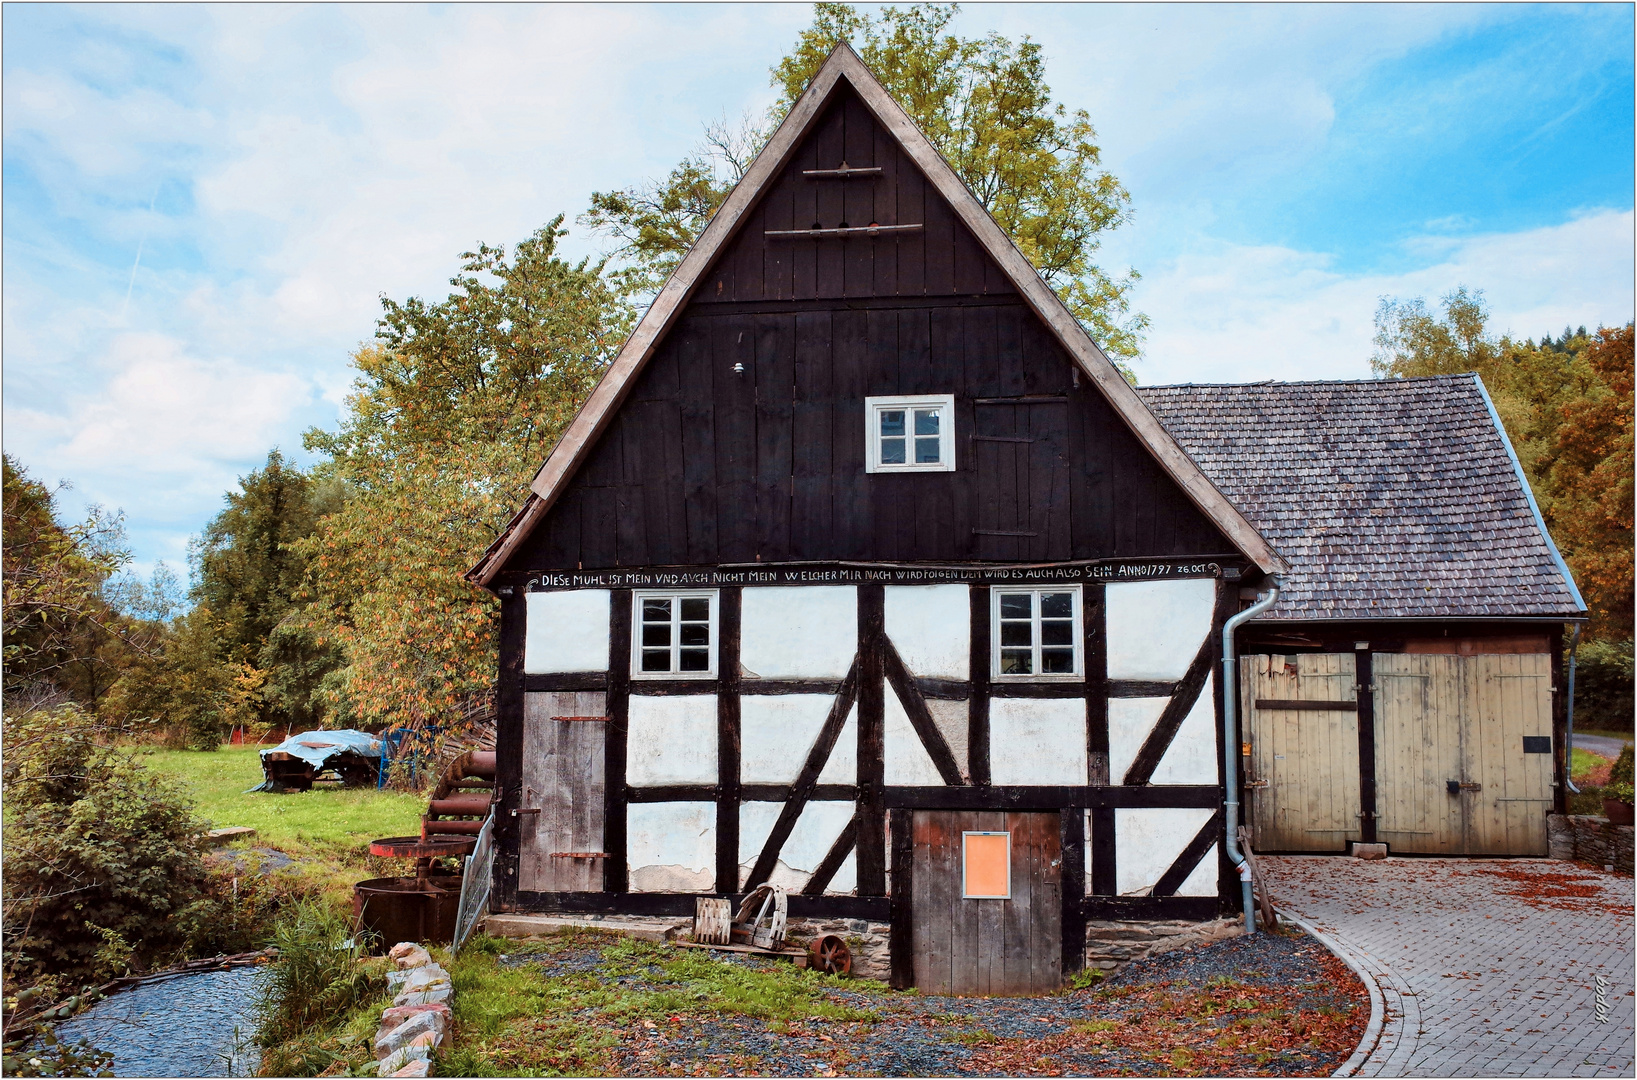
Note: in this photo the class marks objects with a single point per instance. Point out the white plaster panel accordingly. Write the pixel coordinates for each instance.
(845, 882)
(798, 632)
(672, 740)
(930, 626)
(565, 631)
(842, 766)
(1156, 627)
(1129, 722)
(951, 719)
(1148, 841)
(671, 846)
(1037, 741)
(821, 822)
(1191, 757)
(776, 731)
(1202, 881)
(905, 760)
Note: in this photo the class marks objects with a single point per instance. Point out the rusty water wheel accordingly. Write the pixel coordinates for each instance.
(830, 956)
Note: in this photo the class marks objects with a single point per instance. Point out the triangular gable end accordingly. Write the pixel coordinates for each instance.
(844, 64)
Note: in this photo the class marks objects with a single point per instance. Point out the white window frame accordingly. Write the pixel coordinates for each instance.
(676, 596)
(1007, 895)
(875, 406)
(1079, 672)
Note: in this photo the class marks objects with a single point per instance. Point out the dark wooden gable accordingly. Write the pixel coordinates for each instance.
(703, 464)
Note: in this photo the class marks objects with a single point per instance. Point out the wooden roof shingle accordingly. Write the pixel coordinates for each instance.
(1389, 498)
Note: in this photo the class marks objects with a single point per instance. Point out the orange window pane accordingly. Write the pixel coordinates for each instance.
(986, 865)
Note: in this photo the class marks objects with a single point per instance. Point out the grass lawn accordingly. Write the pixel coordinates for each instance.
(328, 822)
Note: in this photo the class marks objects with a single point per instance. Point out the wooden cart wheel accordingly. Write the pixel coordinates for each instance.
(830, 955)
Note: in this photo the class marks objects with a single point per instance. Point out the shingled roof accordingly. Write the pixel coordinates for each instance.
(1390, 498)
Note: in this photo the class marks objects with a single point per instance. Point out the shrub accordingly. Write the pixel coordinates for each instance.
(1620, 772)
(1622, 792)
(103, 861)
(1603, 686)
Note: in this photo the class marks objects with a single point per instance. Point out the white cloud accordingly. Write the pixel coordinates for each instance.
(175, 427)
(1238, 313)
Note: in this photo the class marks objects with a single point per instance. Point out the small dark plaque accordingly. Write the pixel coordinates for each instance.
(1537, 744)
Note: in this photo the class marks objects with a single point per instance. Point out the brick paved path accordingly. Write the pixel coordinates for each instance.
(1486, 966)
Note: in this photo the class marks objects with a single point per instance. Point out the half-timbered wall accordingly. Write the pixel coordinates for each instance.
(834, 704)
(743, 439)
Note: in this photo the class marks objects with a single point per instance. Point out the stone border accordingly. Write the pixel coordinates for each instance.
(419, 1017)
(1378, 1009)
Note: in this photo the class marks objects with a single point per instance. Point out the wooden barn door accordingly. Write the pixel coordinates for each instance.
(1507, 752)
(1302, 722)
(986, 944)
(1023, 479)
(1463, 752)
(563, 761)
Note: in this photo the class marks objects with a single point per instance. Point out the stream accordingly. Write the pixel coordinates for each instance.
(192, 1025)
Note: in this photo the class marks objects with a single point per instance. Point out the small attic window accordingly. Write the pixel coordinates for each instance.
(675, 635)
(910, 434)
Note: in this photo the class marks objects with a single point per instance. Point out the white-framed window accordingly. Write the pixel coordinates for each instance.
(910, 434)
(673, 635)
(986, 865)
(1036, 633)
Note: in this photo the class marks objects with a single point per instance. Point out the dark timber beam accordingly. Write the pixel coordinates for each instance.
(727, 742)
(872, 855)
(509, 743)
(615, 867)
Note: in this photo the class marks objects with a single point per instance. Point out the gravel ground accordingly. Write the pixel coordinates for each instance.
(1148, 1011)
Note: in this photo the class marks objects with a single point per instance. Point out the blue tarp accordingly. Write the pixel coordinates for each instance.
(316, 748)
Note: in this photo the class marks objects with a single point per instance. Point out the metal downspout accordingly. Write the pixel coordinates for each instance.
(1568, 739)
(1230, 742)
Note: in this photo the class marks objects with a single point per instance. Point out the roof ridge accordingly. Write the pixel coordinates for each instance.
(1395, 380)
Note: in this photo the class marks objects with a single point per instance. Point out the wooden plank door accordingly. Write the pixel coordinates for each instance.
(1419, 701)
(1507, 752)
(986, 946)
(563, 756)
(1022, 466)
(1303, 779)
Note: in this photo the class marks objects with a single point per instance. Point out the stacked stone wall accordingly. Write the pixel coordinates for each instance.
(1112, 945)
(1581, 838)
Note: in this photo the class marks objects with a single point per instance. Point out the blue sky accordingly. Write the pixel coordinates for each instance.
(203, 205)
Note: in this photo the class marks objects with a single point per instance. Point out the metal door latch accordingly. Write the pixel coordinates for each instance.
(526, 810)
(1455, 787)
(1256, 783)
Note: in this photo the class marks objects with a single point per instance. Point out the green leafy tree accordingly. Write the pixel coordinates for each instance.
(250, 572)
(454, 408)
(983, 102)
(61, 637)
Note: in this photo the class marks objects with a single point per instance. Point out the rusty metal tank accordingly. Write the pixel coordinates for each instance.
(408, 908)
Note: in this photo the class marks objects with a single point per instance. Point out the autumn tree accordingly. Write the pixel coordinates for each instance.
(1567, 407)
(455, 405)
(983, 102)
